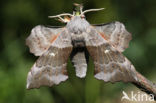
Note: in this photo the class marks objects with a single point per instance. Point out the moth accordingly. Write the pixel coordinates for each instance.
(55, 45)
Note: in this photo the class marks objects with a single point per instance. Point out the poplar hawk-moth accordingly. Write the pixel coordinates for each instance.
(54, 45)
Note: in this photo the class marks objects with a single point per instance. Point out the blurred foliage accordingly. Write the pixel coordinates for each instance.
(18, 17)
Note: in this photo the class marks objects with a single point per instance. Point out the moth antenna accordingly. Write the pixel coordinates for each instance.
(61, 19)
(57, 16)
(81, 8)
(89, 10)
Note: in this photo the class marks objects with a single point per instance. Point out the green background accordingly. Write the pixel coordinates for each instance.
(18, 17)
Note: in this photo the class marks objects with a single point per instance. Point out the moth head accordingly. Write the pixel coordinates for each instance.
(78, 11)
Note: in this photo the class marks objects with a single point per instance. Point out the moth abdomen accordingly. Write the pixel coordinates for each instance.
(78, 40)
(78, 43)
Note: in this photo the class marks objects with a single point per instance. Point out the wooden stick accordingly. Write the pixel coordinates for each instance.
(144, 84)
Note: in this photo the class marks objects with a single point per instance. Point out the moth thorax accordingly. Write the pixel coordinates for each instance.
(78, 40)
(77, 25)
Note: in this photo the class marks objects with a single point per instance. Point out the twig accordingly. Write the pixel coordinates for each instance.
(144, 84)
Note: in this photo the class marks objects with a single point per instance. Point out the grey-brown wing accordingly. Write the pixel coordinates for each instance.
(79, 58)
(115, 33)
(110, 64)
(41, 38)
(50, 68)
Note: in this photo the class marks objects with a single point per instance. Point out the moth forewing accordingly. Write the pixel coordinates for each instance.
(50, 68)
(41, 38)
(110, 65)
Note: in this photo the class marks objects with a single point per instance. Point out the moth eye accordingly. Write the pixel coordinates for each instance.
(82, 16)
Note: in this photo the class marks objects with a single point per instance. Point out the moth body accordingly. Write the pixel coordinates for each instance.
(77, 28)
